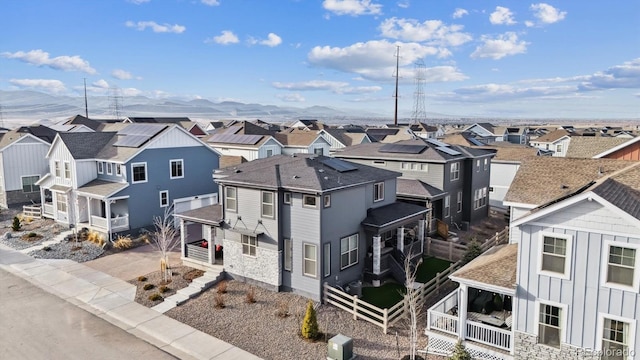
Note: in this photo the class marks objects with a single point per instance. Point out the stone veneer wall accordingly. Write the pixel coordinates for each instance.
(264, 268)
(526, 347)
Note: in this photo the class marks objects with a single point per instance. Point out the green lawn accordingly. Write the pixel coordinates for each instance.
(429, 268)
(385, 296)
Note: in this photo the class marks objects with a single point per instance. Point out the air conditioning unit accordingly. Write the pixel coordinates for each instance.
(340, 347)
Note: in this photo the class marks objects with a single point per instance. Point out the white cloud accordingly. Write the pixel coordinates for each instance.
(430, 31)
(41, 58)
(503, 45)
(225, 38)
(404, 4)
(272, 40)
(102, 84)
(155, 27)
(547, 14)
(130, 92)
(626, 76)
(501, 92)
(121, 74)
(210, 2)
(502, 16)
(352, 7)
(291, 97)
(458, 13)
(52, 86)
(138, 2)
(337, 87)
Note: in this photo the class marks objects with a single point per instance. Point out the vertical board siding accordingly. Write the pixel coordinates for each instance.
(23, 159)
(85, 171)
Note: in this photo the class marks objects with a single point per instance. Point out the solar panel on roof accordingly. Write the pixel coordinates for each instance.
(233, 129)
(149, 130)
(236, 139)
(133, 141)
(436, 142)
(339, 165)
(402, 148)
(475, 142)
(448, 150)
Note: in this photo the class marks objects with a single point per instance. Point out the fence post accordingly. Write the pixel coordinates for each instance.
(437, 281)
(355, 307)
(324, 292)
(450, 251)
(385, 320)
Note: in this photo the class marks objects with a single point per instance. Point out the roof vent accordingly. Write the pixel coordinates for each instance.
(564, 186)
(296, 177)
(321, 170)
(237, 171)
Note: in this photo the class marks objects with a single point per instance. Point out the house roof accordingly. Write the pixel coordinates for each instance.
(506, 151)
(417, 189)
(496, 266)
(590, 146)
(302, 172)
(297, 138)
(211, 214)
(40, 131)
(553, 136)
(102, 188)
(10, 137)
(543, 179)
(159, 120)
(392, 213)
(86, 145)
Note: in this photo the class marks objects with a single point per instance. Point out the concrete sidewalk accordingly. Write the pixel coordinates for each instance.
(112, 299)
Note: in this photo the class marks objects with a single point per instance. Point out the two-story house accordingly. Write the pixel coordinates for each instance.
(341, 138)
(291, 223)
(296, 141)
(452, 180)
(119, 180)
(556, 141)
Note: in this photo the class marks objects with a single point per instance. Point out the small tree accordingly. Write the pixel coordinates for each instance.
(412, 302)
(460, 352)
(165, 238)
(16, 226)
(310, 323)
(474, 249)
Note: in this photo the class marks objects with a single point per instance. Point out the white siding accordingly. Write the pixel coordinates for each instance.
(270, 144)
(84, 171)
(502, 175)
(23, 158)
(174, 138)
(249, 154)
(60, 153)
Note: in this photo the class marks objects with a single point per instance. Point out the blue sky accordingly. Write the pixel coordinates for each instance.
(526, 59)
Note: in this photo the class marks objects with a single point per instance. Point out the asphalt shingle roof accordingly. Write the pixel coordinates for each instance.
(417, 188)
(211, 214)
(552, 136)
(590, 146)
(388, 214)
(86, 145)
(497, 266)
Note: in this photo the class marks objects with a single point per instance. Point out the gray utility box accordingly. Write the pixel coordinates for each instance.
(340, 347)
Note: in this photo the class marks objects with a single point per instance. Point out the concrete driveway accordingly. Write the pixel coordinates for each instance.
(129, 264)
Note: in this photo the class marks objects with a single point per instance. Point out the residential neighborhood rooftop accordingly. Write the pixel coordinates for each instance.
(497, 266)
(418, 149)
(590, 146)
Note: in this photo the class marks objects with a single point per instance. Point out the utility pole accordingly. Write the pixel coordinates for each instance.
(86, 105)
(395, 116)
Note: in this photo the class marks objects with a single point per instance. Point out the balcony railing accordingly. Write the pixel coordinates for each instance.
(489, 335)
(440, 319)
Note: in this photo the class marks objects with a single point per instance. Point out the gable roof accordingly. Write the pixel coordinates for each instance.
(86, 145)
(543, 179)
(552, 136)
(590, 146)
(618, 147)
(417, 189)
(298, 138)
(302, 172)
(11, 137)
(497, 267)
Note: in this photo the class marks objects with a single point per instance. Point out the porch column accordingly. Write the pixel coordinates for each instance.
(376, 255)
(421, 235)
(206, 234)
(463, 295)
(400, 237)
(182, 238)
(107, 210)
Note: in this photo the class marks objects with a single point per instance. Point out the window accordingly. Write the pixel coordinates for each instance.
(230, 199)
(61, 202)
(559, 148)
(269, 152)
(447, 206)
(455, 171)
(327, 201)
(287, 198)
(616, 339)
(287, 254)
(139, 172)
(549, 330)
(109, 168)
(310, 260)
(318, 151)
(486, 164)
(100, 168)
(29, 183)
(414, 166)
(378, 191)
(327, 259)
(379, 162)
(621, 264)
(118, 170)
(67, 170)
(249, 245)
(309, 200)
(56, 167)
(267, 204)
(348, 251)
(478, 165)
(164, 198)
(459, 201)
(555, 253)
(480, 198)
(177, 169)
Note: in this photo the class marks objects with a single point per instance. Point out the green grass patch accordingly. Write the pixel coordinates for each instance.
(429, 268)
(384, 296)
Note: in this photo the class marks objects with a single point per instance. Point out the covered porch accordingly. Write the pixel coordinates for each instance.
(99, 208)
(393, 232)
(420, 193)
(479, 311)
(200, 245)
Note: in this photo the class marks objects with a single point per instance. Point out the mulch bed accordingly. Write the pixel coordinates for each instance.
(182, 277)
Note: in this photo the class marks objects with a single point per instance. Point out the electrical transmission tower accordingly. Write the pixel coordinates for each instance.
(115, 102)
(419, 111)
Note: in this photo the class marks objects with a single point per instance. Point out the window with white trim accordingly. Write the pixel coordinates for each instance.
(621, 266)
(326, 200)
(455, 171)
(61, 202)
(318, 151)
(378, 191)
(176, 169)
(447, 206)
(414, 166)
(230, 198)
(267, 208)
(100, 168)
(327, 259)
(138, 173)
(616, 339)
(118, 169)
(459, 201)
(486, 164)
(555, 254)
(549, 325)
(288, 257)
(109, 168)
(480, 198)
(56, 168)
(559, 148)
(309, 201)
(67, 170)
(310, 261)
(348, 251)
(478, 165)
(287, 198)
(269, 152)
(29, 183)
(249, 245)
(164, 198)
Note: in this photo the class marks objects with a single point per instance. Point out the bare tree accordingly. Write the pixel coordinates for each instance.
(412, 301)
(165, 238)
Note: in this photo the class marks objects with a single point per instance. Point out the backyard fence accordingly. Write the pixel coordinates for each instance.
(453, 251)
(33, 211)
(385, 318)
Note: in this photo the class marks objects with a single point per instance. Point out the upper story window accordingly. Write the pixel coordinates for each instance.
(309, 201)
(455, 171)
(119, 169)
(621, 266)
(287, 198)
(230, 198)
(555, 255)
(269, 152)
(109, 168)
(267, 204)
(559, 148)
(413, 166)
(29, 183)
(100, 168)
(139, 172)
(486, 164)
(378, 191)
(56, 168)
(327, 200)
(478, 165)
(67, 170)
(318, 151)
(177, 168)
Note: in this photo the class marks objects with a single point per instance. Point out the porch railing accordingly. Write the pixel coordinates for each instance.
(195, 251)
(120, 223)
(98, 221)
(489, 335)
(47, 209)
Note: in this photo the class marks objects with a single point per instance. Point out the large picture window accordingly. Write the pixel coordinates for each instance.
(29, 184)
(139, 172)
(310, 262)
(249, 245)
(348, 251)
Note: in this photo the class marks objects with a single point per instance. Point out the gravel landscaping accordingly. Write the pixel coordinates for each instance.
(181, 278)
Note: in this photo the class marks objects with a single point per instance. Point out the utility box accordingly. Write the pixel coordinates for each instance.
(340, 347)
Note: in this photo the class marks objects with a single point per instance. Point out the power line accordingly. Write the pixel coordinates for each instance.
(419, 111)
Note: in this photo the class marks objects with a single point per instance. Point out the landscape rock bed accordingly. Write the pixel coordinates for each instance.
(79, 252)
(182, 277)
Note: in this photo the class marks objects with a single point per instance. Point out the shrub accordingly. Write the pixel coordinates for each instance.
(310, 323)
(142, 278)
(155, 297)
(473, 251)
(46, 248)
(32, 235)
(218, 301)
(222, 287)
(16, 225)
(123, 242)
(460, 353)
(96, 238)
(148, 286)
(283, 309)
(250, 297)
(163, 289)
